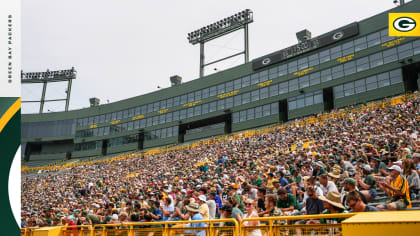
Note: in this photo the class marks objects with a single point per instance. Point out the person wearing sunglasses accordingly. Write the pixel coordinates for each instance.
(354, 201)
(251, 213)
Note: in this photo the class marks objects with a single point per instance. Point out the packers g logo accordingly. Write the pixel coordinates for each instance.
(266, 61)
(403, 24)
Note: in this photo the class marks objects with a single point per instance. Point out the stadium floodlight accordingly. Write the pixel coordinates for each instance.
(222, 27)
(214, 30)
(46, 77)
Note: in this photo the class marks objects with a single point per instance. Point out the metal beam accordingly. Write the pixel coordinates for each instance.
(68, 95)
(44, 88)
(234, 55)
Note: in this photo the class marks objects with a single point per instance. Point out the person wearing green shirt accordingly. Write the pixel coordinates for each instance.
(257, 181)
(379, 168)
(287, 202)
(367, 187)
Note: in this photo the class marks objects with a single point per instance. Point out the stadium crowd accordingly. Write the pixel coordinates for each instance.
(333, 165)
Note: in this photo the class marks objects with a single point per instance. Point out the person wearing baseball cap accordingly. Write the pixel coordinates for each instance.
(397, 190)
(204, 208)
(367, 186)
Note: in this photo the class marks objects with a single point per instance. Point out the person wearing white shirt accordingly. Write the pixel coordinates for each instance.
(326, 185)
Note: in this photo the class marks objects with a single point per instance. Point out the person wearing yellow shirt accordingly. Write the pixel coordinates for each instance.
(397, 190)
(204, 208)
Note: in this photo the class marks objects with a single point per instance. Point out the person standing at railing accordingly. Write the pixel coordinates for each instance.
(251, 213)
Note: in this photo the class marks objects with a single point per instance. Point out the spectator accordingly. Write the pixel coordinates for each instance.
(410, 173)
(357, 205)
(369, 183)
(326, 185)
(332, 205)
(212, 205)
(397, 190)
(287, 202)
(194, 211)
(251, 213)
(204, 208)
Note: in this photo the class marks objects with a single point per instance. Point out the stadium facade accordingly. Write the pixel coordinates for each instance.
(354, 64)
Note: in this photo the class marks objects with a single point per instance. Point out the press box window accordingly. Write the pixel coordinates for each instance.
(282, 70)
(235, 117)
(284, 87)
(213, 106)
(395, 76)
(221, 89)
(360, 44)
(405, 50)
(337, 72)
(349, 68)
(237, 84)
(266, 110)
(326, 75)
(274, 108)
(197, 110)
(213, 91)
(156, 106)
(371, 83)
(293, 84)
(383, 80)
(184, 99)
(313, 60)
(169, 102)
(255, 79)
(360, 86)
(242, 116)
(255, 95)
(182, 114)
(250, 114)
(155, 120)
(304, 81)
(303, 63)
(162, 104)
(190, 97)
(229, 102)
(273, 73)
(205, 108)
(221, 104)
(390, 55)
(335, 52)
(274, 90)
(263, 75)
(245, 81)
(229, 86)
(246, 97)
(292, 66)
(376, 60)
(206, 93)
(258, 112)
(190, 112)
(176, 101)
(349, 89)
(264, 93)
(374, 39)
(324, 56)
(362, 64)
(348, 48)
